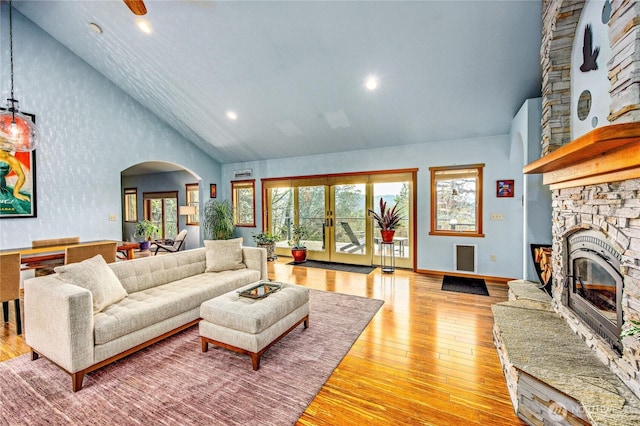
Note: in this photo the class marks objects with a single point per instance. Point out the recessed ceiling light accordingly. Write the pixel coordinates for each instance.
(371, 83)
(231, 115)
(144, 26)
(95, 28)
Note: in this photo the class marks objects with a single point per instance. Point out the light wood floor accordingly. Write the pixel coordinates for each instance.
(426, 358)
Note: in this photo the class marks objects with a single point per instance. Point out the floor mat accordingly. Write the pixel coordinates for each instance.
(359, 269)
(464, 285)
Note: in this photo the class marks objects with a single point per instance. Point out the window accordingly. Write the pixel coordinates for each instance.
(456, 200)
(131, 204)
(161, 208)
(244, 202)
(193, 199)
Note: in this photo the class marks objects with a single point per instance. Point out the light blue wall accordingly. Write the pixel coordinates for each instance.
(502, 238)
(91, 131)
(526, 136)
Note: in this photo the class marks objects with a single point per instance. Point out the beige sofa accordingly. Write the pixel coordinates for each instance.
(163, 296)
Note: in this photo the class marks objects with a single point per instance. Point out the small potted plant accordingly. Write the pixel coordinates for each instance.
(387, 219)
(298, 249)
(267, 241)
(145, 229)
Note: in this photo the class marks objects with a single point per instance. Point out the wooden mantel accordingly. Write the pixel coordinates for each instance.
(605, 154)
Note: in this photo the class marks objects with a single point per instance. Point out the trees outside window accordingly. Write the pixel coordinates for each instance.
(244, 202)
(193, 199)
(456, 200)
(131, 204)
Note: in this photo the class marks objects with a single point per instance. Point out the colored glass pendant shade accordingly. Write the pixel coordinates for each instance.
(17, 131)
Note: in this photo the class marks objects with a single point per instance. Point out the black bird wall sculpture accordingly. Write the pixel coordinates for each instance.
(589, 55)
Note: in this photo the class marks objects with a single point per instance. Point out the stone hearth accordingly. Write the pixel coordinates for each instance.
(552, 376)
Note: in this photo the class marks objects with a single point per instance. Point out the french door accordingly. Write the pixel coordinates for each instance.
(161, 208)
(334, 209)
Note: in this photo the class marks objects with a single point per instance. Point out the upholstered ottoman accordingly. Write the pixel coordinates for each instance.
(251, 326)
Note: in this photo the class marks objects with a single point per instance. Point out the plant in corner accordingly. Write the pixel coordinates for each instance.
(632, 331)
(388, 219)
(218, 220)
(267, 241)
(145, 229)
(298, 249)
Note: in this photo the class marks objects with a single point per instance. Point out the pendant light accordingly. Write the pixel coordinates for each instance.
(17, 131)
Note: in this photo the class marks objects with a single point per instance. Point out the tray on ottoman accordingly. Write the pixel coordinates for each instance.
(252, 325)
(260, 290)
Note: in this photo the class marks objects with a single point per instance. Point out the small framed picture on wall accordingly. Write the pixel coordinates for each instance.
(212, 190)
(504, 188)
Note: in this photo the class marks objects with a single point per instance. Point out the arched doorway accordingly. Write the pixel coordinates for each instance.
(156, 190)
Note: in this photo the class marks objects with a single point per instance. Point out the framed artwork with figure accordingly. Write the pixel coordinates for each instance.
(504, 188)
(213, 192)
(17, 180)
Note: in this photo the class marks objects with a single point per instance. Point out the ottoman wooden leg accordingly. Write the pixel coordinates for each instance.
(205, 344)
(255, 360)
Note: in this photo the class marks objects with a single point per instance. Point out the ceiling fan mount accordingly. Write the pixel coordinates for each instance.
(136, 6)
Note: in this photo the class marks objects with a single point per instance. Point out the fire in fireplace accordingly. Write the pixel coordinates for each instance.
(594, 284)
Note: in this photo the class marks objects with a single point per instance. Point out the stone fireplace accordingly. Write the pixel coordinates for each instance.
(595, 183)
(563, 358)
(596, 241)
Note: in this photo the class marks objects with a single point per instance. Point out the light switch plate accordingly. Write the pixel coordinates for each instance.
(496, 216)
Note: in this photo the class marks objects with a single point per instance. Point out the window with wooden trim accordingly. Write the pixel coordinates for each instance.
(243, 199)
(193, 199)
(456, 200)
(161, 208)
(131, 204)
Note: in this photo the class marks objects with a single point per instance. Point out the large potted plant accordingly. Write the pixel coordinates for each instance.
(388, 219)
(218, 220)
(145, 229)
(298, 249)
(267, 241)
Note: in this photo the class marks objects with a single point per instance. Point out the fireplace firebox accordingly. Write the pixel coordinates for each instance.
(593, 284)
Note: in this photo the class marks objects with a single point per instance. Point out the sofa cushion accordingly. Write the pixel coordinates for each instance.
(96, 276)
(224, 255)
(147, 272)
(145, 308)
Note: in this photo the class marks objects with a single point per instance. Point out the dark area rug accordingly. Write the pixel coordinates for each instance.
(359, 269)
(464, 285)
(174, 383)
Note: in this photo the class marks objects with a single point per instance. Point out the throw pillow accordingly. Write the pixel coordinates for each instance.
(223, 255)
(96, 276)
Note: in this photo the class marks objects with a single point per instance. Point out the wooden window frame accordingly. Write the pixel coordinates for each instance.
(243, 184)
(478, 204)
(127, 193)
(146, 199)
(190, 188)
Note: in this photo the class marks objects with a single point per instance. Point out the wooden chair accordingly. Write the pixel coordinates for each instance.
(55, 242)
(355, 244)
(10, 286)
(80, 252)
(176, 246)
(45, 267)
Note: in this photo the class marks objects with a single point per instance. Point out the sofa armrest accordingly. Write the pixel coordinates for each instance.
(256, 258)
(59, 322)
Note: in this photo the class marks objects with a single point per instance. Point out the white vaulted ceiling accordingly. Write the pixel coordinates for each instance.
(294, 71)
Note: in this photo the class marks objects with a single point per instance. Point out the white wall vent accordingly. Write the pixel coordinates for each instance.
(244, 173)
(465, 258)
